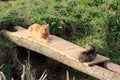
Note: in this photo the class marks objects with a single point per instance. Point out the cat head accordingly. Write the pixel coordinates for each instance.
(44, 29)
(90, 46)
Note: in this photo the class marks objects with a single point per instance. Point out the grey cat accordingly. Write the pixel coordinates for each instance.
(89, 54)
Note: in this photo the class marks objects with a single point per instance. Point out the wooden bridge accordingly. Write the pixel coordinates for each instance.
(66, 53)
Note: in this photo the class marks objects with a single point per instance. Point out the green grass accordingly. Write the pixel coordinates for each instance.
(7, 69)
(79, 21)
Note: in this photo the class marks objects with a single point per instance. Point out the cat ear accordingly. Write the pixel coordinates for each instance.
(47, 24)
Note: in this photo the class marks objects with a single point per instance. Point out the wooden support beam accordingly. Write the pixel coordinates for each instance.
(112, 66)
(69, 58)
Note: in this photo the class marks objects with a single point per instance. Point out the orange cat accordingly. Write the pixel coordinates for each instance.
(39, 32)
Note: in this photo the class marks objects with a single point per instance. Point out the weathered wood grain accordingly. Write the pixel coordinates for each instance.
(112, 66)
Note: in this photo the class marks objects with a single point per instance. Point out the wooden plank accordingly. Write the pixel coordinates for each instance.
(47, 50)
(62, 46)
(18, 28)
(99, 59)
